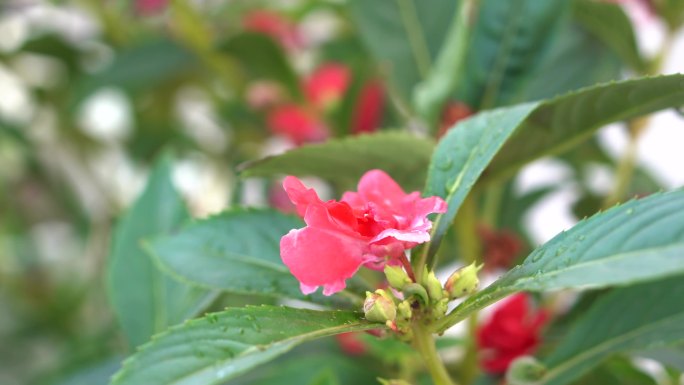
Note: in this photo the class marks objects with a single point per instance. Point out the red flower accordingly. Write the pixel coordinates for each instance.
(372, 228)
(351, 344)
(368, 109)
(274, 25)
(325, 86)
(149, 7)
(296, 123)
(453, 113)
(499, 247)
(513, 331)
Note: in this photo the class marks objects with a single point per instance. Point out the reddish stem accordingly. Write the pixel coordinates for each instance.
(407, 266)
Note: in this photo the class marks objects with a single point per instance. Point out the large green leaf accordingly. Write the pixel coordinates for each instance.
(618, 370)
(141, 67)
(611, 25)
(509, 40)
(307, 367)
(237, 251)
(404, 36)
(145, 300)
(223, 345)
(637, 317)
(261, 58)
(574, 60)
(638, 241)
(523, 50)
(343, 161)
(565, 121)
(510, 137)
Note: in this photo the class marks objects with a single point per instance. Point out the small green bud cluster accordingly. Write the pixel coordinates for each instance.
(427, 296)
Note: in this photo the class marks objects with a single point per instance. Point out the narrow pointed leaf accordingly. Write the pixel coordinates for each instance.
(610, 23)
(237, 251)
(343, 161)
(146, 300)
(639, 241)
(638, 317)
(404, 36)
(223, 345)
(503, 140)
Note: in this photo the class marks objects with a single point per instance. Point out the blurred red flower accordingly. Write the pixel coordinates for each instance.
(368, 110)
(499, 247)
(296, 123)
(452, 113)
(326, 85)
(150, 7)
(512, 331)
(274, 25)
(351, 344)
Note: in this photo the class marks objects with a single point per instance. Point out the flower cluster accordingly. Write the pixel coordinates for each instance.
(372, 227)
(512, 331)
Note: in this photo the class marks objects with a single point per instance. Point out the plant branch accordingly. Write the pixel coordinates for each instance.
(425, 344)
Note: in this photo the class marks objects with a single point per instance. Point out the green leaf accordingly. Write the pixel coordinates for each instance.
(94, 374)
(609, 23)
(463, 154)
(139, 68)
(237, 251)
(224, 345)
(261, 58)
(509, 39)
(618, 370)
(638, 241)
(637, 317)
(519, 134)
(344, 161)
(404, 36)
(574, 60)
(145, 300)
(672, 356)
(304, 368)
(565, 121)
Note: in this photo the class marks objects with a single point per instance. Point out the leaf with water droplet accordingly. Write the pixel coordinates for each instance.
(214, 349)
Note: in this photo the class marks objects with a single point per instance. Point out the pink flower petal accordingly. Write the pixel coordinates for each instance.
(319, 256)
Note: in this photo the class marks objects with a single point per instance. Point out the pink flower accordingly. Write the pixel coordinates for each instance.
(325, 87)
(368, 109)
(297, 124)
(513, 331)
(371, 227)
(274, 25)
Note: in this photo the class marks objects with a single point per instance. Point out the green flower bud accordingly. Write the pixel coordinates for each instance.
(379, 307)
(440, 308)
(434, 287)
(397, 277)
(404, 310)
(525, 370)
(463, 281)
(417, 290)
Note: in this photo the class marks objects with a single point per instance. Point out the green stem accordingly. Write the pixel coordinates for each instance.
(469, 366)
(466, 230)
(425, 344)
(625, 169)
(492, 204)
